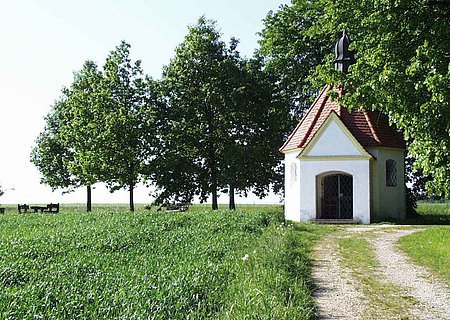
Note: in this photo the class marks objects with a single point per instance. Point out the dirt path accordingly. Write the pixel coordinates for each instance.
(432, 296)
(336, 296)
(339, 296)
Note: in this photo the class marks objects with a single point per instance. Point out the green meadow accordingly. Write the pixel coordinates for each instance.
(200, 264)
(431, 247)
(111, 263)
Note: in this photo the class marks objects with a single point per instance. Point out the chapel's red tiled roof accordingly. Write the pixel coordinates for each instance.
(370, 128)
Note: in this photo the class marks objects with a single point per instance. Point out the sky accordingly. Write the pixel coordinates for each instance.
(45, 41)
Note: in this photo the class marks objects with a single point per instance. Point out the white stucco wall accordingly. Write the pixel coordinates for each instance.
(292, 186)
(333, 142)
(388, 201)
(359, 169)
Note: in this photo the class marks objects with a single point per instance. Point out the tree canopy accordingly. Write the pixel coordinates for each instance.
(101, 129)
(219, 125)
(128, 120)
(402, 66)
(66, 151)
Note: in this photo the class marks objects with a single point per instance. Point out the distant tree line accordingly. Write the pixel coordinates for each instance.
(215, 120)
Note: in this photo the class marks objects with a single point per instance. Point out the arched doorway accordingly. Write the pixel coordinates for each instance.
(336, 197)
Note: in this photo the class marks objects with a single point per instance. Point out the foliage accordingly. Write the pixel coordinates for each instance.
(128, 120)
(431, 249)
(51, 155)
(80, 125)
(66, 152)
(193, 126)
(292, 52)
(403, 70)
(402, 66)
(219, 124)
(101, 129)
(138, 265)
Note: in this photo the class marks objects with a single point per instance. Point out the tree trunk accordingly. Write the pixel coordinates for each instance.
(215, 206)
(232, 205)
(131, 198)
(89, 199)
(211, 151)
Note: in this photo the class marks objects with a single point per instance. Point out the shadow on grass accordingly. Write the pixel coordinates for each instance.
(421, 219)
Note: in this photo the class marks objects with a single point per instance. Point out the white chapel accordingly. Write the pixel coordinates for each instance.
(341, 165)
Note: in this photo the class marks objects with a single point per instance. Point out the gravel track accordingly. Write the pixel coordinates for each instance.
(336, 294)
(432, 296)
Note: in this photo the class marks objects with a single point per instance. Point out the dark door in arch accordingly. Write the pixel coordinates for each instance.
(337, 197)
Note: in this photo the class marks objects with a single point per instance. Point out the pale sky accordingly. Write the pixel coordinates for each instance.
(44, 42)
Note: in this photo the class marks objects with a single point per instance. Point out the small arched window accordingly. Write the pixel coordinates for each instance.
(391, 173)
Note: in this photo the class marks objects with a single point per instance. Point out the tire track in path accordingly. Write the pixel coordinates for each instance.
(395, 267)
(338, 294)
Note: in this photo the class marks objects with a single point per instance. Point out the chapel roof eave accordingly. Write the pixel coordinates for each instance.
(370, 128)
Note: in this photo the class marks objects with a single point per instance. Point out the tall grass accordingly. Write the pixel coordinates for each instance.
(150, 265)
(273, 280)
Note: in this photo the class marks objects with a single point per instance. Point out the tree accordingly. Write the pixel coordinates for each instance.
(402, 67)
(194, 113)
(217, 122)
(403, 70)
(128, 117)
(293, 45)
(66, 151)
(251, 158)
(51, 156)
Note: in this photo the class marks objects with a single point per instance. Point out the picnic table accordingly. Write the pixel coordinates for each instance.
(51, 208)
(38, 208)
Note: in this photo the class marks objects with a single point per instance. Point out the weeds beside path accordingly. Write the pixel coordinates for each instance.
(361, 274)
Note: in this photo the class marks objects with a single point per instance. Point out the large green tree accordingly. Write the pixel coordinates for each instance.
(128, 115)
(195, 130)
(66, 151)
(51, 155)
(293, 45)
(218, 123)
(257, 124)
(402, 66)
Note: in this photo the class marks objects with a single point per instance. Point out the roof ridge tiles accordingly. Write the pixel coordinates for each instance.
(359, 122)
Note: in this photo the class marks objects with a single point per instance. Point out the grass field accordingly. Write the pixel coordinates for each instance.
(151, 265)
(432, 213)
(431, 247)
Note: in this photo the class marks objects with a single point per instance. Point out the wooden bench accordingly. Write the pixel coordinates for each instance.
(178, 207)
(52, 208)
(23, 208)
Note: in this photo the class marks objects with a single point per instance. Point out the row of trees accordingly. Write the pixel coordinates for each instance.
(211, 124)
(215, 120)
(99, 129)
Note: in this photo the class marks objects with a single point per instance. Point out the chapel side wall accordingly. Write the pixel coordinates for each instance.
(359, 169)
(389, 202)
(292, 186)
